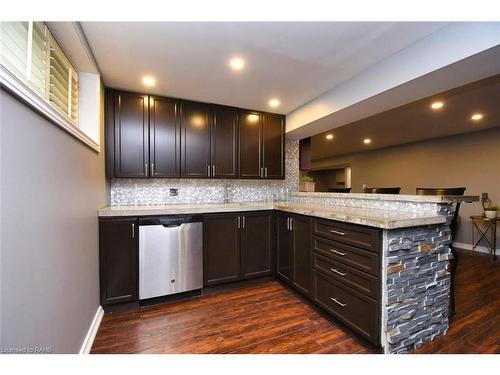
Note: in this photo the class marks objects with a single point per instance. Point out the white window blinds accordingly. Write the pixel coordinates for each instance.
(14, 46)
(29, 51)
(38, 72)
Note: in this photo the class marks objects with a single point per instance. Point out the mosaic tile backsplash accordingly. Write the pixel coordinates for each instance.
(139, 192)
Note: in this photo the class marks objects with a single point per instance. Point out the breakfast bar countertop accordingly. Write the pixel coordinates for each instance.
(385, 219)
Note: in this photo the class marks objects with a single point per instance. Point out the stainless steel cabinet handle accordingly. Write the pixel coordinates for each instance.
(337, 252)
(291, 224)
(244, 219)
(213, 170)
(338, 302)
(146, 168)
(265, 172)
(133, 230)
(208, 170)
(239, 222)
(337, 232)
(262, 172)
(338, 272)
(152, 169)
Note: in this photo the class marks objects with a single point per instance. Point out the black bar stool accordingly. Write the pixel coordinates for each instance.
(453, 230)
(339, 190)
(382, 190)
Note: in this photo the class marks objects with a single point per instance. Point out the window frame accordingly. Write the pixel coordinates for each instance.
(20, 87)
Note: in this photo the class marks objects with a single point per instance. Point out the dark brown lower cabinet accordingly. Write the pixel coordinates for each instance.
(301, 253)
(256, 244)
(335, 265)
(294, 250)
(283, 247)
(237, 246)
(346, 274)
(348, 305)
(221, 250)
(118, 260)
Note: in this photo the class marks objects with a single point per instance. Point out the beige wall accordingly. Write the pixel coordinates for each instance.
(471, 160)
(51, 188)
(328, 178)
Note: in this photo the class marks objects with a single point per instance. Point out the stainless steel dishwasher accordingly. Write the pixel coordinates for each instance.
(170, 255)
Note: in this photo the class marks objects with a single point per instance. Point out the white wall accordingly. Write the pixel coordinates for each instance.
(51, 188)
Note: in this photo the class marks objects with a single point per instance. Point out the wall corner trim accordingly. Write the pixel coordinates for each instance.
(94, 326)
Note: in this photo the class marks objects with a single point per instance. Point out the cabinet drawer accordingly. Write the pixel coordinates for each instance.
(362, 282)
(351, 307)
(352, 256)
(355, 235)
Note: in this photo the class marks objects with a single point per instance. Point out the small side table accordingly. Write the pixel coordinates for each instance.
(487, 231)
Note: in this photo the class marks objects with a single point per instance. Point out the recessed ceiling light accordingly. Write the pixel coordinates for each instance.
(367, 141)
(329, 136)
(437, 105)
(274, 103)
(476, 116)
(237, 63)
(148, 80)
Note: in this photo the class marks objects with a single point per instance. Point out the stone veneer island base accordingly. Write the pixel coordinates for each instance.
(416, 286)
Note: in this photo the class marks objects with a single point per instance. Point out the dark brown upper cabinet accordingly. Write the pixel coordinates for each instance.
(224, 142)
(131, 138)
(195, 140)
(250, 142)
(164, 137)
(262, 145)
(273, 146)
(152, 136)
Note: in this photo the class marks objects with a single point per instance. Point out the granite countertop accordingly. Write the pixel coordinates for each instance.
(393, 197)
(179, 209)
(371, 217)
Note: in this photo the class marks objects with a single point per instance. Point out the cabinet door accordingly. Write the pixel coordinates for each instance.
(250, 144)
(118, 260)
(195, 139)
(283, 247)
(273, 146)
(301, 253)
(164, 137)
(221, 250)
(256, 244)
(224, 142)
(131, 124)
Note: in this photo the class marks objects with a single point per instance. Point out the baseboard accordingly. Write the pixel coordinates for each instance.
(94, 326)
(468, 246)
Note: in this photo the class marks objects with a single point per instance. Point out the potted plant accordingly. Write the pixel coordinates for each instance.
(306, 183)
(491, 212)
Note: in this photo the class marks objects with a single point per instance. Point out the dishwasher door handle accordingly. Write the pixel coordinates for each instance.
(171, 225)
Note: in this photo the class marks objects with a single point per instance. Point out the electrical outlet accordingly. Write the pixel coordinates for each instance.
(174, 192)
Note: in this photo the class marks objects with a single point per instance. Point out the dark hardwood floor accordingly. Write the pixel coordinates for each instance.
(269, 318)
(476, 326)
(261, 318)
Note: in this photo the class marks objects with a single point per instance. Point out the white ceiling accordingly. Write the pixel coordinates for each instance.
(294, 61)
